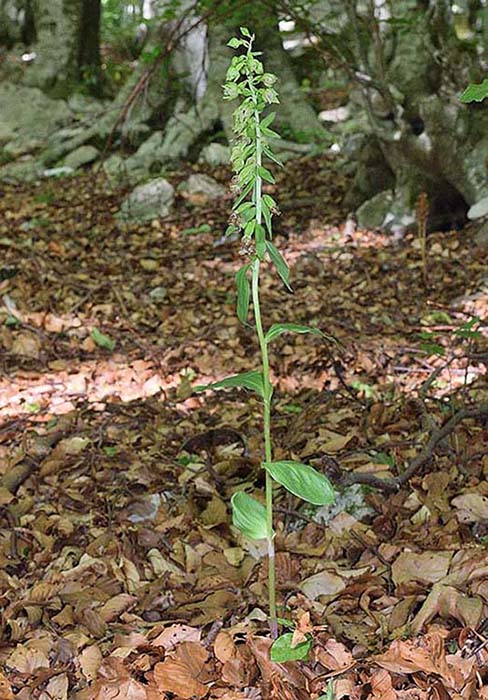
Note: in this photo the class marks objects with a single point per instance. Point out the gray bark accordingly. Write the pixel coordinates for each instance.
(58, 24)
(429, 140)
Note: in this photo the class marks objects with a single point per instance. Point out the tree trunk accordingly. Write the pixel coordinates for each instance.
(68, 45)
(89, 46)
(428, 139)
(9, 23)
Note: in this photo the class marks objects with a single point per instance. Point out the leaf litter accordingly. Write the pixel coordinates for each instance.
(121, 574)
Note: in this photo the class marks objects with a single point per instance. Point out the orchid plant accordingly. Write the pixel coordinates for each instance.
(252, 215)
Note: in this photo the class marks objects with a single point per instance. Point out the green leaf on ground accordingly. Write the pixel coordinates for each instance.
(102, 340)
(476, 92)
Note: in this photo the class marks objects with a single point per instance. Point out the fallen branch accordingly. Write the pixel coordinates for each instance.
(339, 476)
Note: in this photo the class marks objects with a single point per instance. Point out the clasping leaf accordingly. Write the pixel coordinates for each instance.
(278, 328)
(303, 481)
(243, 294)
(252, 380)
(279, 262)
(249, 516)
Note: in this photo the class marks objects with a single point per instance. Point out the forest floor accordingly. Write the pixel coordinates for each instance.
(121, 576)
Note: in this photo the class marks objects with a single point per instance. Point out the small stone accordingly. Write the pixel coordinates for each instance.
(147, 202)
(158, 293)
(372, 214)
(58, 172)
(215, 154)
(149, 264)
(200, 188)
(478, 210)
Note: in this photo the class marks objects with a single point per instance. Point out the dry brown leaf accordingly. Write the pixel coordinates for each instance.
(347, 689)
(27, 659)
(56, 688)
(424, 567)
(334, 656)
(180, 675)
(5, 689)
(115, 682)
(447, 601)
(224, 647)
(324, 583)
(174, 635)
(215, 513)
(90, 661)
(114, 607)
(471, 507)
(382, 686)
(406, 657)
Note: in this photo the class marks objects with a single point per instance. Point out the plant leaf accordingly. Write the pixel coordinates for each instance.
(234, 43)
(476, 92)
(102, 340)
(268, 119)
(278, 329)
(252, 380)
(265, 174)
(279, 262)
(303, 481)
(281, 649)
(249, 516)
(243, 294)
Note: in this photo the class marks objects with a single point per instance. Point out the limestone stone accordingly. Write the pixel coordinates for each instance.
(200, 185)
(149, 201)
(215, 154)
(373, 213)
(81, 156)
(479, 209)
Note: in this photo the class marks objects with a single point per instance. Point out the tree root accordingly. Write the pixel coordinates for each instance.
(335, 472)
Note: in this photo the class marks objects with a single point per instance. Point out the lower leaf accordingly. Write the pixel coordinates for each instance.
(303, 481)
(282, 651)
(249, 516)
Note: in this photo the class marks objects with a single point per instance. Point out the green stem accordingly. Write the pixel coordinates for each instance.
(268, 392)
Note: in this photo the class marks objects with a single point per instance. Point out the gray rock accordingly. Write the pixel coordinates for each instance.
(28, 170)
(114, 168)
(81, 156)
(351, 499)
(20, 147)
(124, 170)
(215, 154)
(147, 202)
(148, 156)
(204, 186)
(29, 112)
(479, 209)
(374, 212)
(7, 133)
